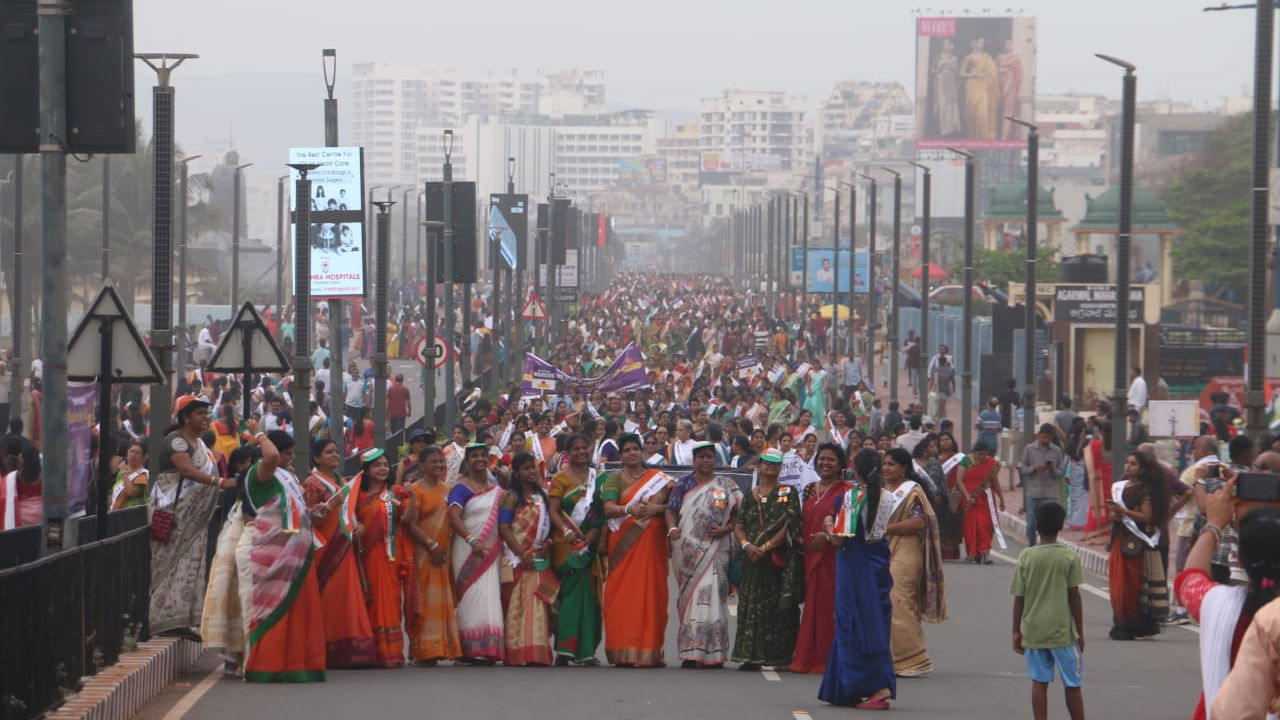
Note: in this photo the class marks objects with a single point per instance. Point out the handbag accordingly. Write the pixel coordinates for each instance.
(1131, 546)
(163, 521)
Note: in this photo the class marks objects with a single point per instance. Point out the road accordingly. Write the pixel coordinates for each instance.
(977, 675)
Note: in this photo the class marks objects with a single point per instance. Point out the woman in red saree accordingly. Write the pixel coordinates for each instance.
(524, 522)
(1097, 465)
(347, 632)
(635, 594)
(817, 623)
(976, 477)
(286, 623)
(385, 556)
(1139, 508)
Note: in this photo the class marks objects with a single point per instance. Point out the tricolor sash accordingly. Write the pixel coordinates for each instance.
(847, 518)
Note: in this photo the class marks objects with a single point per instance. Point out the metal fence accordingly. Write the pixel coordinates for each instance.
(72, 613)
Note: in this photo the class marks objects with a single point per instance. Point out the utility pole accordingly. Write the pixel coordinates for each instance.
(927, 200)
(1029, 291)
(380, 316)
(55, 278)
(337, 319)
(162, 98)
(892, 349)
(236, 210)
(966, 354)
(181, 338)
(450, 327)
(1120, 401)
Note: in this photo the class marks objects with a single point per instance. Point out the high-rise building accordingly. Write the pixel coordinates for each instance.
(682, 151)
(753, 130)
(860, 118)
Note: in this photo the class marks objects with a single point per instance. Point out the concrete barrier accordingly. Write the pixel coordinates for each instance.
(118, 692)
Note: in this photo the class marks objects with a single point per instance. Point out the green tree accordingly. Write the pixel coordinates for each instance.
(1001, 268)
(1211, 203)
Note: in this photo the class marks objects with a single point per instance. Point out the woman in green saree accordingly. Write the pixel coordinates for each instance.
(577, 518)
(771, 584)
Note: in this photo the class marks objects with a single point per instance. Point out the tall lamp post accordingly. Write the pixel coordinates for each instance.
(1029, 292)
(835, 294)
(966, 354)
(280, 211)
(450, 325)
(897, 280)
(380, 316)
(852, 277)
(1120, 400)
(926, 192)
(236, 210)
(181, 338)
(300, 391)
(872, 316)
(337, 318)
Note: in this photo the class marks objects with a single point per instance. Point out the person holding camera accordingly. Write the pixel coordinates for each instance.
(1226, 611)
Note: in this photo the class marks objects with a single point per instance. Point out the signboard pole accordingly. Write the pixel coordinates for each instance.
(300, 389)
(246, 352)
(104, 421)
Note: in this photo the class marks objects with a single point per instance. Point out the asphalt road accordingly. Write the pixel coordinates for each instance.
(976, 675)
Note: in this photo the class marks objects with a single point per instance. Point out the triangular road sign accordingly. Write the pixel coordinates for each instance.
(264, 354)
(131, 359)
(533, 308)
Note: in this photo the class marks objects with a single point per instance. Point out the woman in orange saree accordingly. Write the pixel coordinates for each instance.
(635, 594)
(384, 554)
(347, 633)
(524, 522)
(286, 623)
(428, 524)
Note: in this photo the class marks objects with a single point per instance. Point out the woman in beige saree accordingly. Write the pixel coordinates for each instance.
(915, 551)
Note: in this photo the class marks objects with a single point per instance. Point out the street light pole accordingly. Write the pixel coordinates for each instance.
(1029, 292)
(106, 218)
(850, 340)
(897, 281)
(300, 390)
(966, 353)
(873, 316)
(835, 294)
(337, 319)
(1264, 39)
(181, 339)
(450, 403)
(927, 200)
(380, 317)
(280, 210)
(235, 237)
(1120, 401)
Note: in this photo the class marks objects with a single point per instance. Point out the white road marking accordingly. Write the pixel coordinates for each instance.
(1093, 591)
(770, 674)
(800, 715)
(188, 701)
(733, 609)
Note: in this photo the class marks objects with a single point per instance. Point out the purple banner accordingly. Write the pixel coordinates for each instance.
(626, 373)
(80, 422)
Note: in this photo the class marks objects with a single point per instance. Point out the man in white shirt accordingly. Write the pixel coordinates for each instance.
(322, 375)
(1137, 390)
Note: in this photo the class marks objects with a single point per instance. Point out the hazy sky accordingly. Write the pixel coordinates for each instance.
(666, 54)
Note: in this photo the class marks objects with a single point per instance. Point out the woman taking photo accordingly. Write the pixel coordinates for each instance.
(578, 519)
(915, 562)
(702, 511)
(770, 586)
(817, 623)
(347, 632)
(286, 622)
(132, 479)
(859, 671)
(977, 480)
(951, 524)
(185, 494)
(635, 594)
(378, 508)
(1139, 508)
(524, 522)
(427, 521)
(473, 513)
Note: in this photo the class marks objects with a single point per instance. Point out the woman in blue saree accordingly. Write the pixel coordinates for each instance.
(860, 665)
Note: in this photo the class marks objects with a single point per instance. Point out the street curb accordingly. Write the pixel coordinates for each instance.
(119, 691)
(1093, 561)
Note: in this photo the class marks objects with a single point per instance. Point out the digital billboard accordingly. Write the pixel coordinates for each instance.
(337, 219)
(823, 270)
(508, 226)
(972, 72)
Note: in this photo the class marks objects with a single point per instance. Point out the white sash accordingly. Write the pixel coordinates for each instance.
(537, 449)
(595, 457)
(1117, 496)
(581, 507)
(900, 494)
(678, 456)
(995, 520)
(118, 489)
(10, 500)
(952, 462)
(506, 435)
(651, 488)
(1219, 613)
(544, 530)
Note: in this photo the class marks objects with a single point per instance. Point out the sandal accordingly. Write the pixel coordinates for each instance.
(872, 704)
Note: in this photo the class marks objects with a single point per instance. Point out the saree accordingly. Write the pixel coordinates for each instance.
(286, 638)
(817, 621)
(533, 591)
(348, 635)
(861, 660)
(951, 524)
(702, 567)
(578, 568)
(437, 636)
(635, 593)
(222, 618)
(979, 528)
(769, 596)
(476, 581)
(1139, 593)
(918, 586)
(385, 558)
(815, 400)
(178, 582)
(981, 95)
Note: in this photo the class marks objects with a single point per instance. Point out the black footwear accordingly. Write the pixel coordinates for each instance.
(689, 665)
(748, 666)
(562, 661)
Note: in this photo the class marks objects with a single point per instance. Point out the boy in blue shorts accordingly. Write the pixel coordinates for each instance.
(1048, 622)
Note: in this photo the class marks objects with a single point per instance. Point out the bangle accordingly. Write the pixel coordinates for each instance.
(671, 530)
(744, 544)
(432, 544)
(471, 541)
(1211, 528)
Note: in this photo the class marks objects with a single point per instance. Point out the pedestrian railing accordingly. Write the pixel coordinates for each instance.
(68, 615)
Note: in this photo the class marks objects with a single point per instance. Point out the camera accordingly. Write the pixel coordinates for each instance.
(1258, 487)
